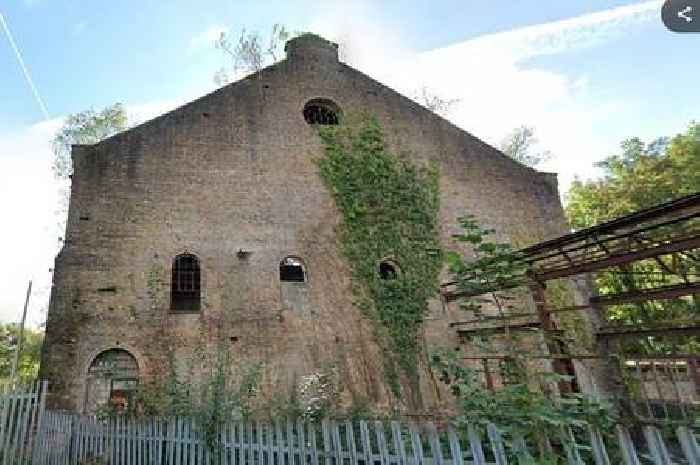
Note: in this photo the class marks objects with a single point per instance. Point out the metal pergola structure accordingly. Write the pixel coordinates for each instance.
(668, 229)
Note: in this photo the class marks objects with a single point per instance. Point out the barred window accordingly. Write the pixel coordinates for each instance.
(321, 111)
(388, 270)
(185, 287)
(292, 270)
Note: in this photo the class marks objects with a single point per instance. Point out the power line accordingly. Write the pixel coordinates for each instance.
(35, 91)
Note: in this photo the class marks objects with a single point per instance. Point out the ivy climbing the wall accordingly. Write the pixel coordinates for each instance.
(389, 208)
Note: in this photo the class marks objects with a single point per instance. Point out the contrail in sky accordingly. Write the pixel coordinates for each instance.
(35, 91)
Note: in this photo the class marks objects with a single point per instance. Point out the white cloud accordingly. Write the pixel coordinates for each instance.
(29, 202)
(496, 87)
(207, 37)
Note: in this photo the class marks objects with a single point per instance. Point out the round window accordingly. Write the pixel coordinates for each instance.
(321, 111)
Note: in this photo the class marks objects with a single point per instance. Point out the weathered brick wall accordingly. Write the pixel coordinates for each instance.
(234, 170)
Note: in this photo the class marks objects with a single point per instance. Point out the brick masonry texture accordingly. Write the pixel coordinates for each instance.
(234, 170)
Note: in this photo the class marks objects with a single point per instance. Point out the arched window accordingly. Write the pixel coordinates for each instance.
(292, 270)
(185, 288)
(112, 379)
(321, 111)
(388, 270)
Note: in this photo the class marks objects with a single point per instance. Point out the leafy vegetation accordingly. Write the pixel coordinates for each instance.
(525, 406)
(85, 127)
(641, 176)
(28, 363)
(250, 52)
(389, 208)
(519, 144)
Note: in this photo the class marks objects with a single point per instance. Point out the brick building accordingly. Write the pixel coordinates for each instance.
(210, 223)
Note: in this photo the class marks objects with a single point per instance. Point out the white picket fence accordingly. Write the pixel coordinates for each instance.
(68, 439)
(29, 434)
(21, 411)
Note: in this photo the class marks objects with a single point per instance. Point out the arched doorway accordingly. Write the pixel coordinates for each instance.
(111, 380)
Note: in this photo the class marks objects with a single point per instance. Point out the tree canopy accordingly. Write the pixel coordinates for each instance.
(640, 176)
(250, 52)
(519, 145)
(28, 363)
(85, 127)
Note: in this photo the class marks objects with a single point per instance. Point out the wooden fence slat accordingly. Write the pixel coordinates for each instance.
(279, 441)
(499, 451)
(29, 434)
(384, 456)
(689, 445)
(417, 444)
(313, 446)
(600, 454)
(179, 439)
(399, 445)
(455, 448)
(28, 426)
(475, 445)
(200, 441)
(80, 443)
(656, 446)
(434, 441)
(9, 430)
(366, 443)
(193, 440)
(327, 447)
(350, 439)
(69, 428)
(301, 438)
(337, 445)
(16, 438)
(629, 452)
(5, 419)
(4, 399)
(269, 449)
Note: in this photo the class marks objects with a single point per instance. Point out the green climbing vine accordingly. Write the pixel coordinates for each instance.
(389, 208)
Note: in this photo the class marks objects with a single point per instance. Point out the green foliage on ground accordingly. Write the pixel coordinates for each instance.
(389, 209)
(641, 176)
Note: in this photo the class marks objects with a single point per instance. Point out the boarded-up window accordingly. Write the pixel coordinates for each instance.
(112, 380)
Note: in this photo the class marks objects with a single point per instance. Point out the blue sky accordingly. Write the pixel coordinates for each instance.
(586, 74)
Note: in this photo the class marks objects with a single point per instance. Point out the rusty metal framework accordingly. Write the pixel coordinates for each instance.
(669, 229)
(672, 227)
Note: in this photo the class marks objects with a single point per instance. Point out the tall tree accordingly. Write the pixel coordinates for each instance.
(85, 127)
(641, 176)
(519, 144)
